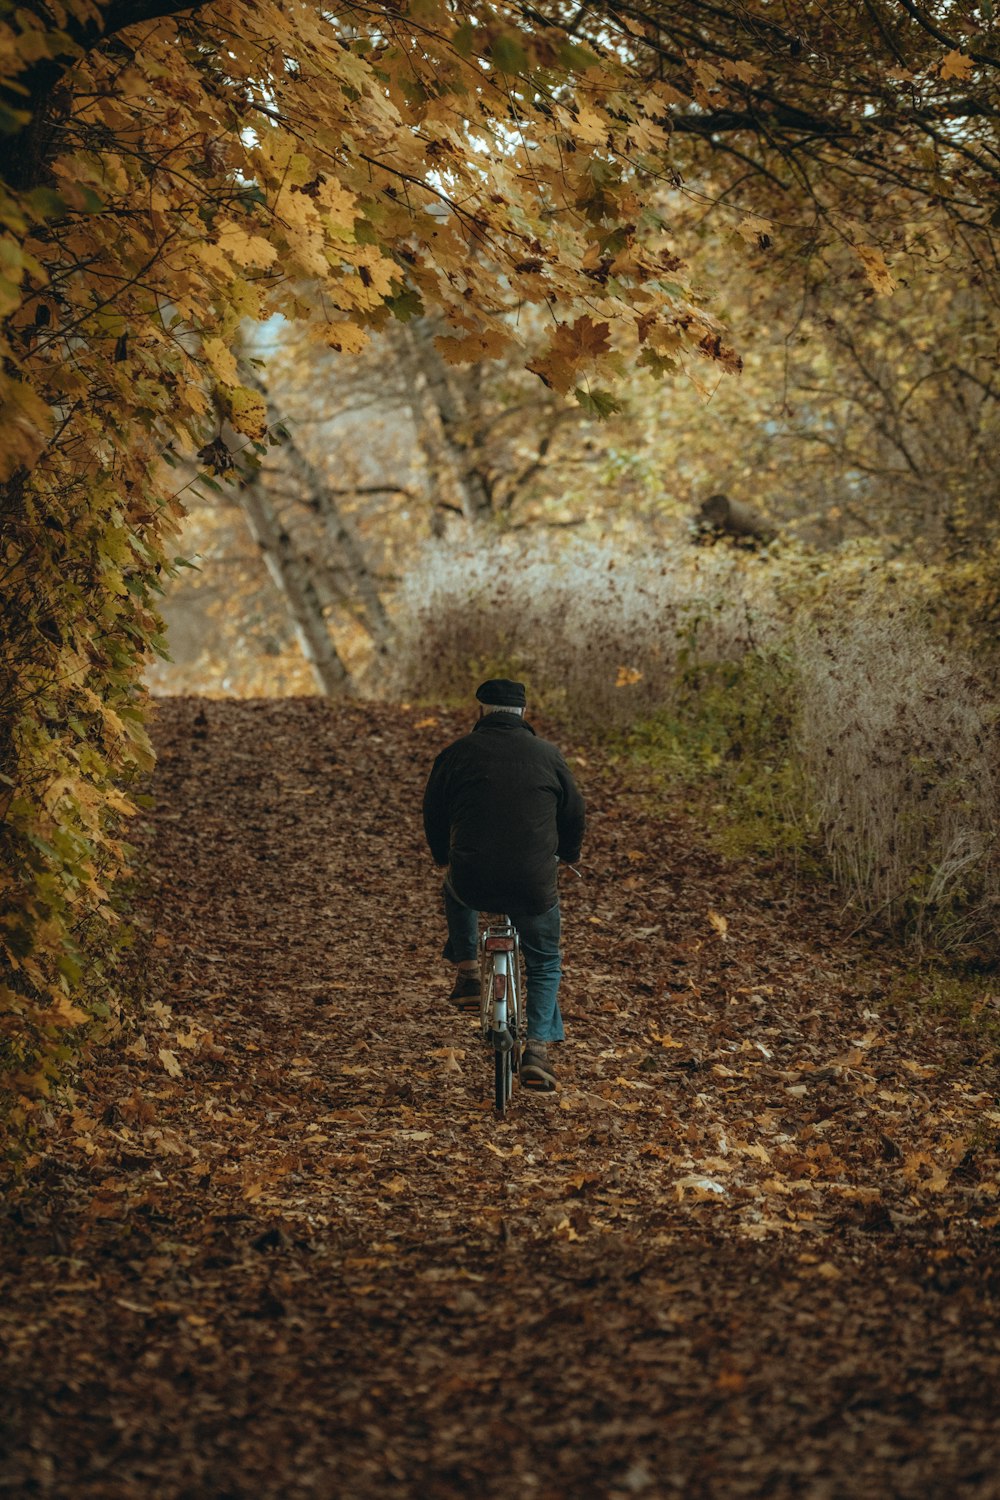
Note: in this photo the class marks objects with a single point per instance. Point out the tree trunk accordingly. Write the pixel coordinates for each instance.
(347, 565)
(31, 91)
(291, 573)
(438, 417)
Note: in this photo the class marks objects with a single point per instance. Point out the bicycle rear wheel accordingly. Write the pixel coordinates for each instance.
(503, 1079)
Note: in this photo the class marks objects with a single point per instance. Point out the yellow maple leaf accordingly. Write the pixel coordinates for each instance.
(955, 64)
(555, 372)
(347, 338)
(582, 339)
(244, 298)
(309, 251)
(666, 94)
(744, 71)
(491, 343)
(876, 270)
(300, 210)
(220, 361)
(751, 228)
(339, 204)
(247, 411)
(300, 170)
(246, 249)
(706, 73)
(589, 126)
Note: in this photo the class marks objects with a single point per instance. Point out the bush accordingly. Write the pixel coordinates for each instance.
(597, 638)
(824, 716)
(77, 617)
(729, 731)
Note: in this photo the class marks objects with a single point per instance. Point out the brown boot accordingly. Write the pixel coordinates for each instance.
(465, 994)
(536, 1072)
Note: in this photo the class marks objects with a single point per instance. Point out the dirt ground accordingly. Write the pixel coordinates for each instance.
(280, 1245)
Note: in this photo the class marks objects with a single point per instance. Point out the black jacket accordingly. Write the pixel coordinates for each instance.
(500, 808)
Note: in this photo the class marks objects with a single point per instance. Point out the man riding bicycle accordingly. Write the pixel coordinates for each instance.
(501, 809)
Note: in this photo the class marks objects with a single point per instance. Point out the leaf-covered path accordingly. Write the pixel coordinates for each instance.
(282, 1247)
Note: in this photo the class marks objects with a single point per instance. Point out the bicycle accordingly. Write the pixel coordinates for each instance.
(502, 1008)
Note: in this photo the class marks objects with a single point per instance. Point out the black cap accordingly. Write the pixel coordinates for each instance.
(502, 693)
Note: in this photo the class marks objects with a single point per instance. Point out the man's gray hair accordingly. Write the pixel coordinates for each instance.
(502, 708)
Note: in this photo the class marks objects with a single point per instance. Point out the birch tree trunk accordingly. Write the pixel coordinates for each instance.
(346, 562)
(439, 420)
(291, 574)
(347, 559)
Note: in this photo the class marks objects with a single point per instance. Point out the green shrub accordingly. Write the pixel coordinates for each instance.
(728, 733)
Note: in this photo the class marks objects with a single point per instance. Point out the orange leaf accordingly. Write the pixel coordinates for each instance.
(956, 65)
(582, 339)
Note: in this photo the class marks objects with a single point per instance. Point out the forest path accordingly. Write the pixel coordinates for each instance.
(283, 1248)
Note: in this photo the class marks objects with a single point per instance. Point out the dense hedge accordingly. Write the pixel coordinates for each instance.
(80, 570)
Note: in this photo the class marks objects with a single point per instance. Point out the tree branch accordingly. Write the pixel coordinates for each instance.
(30, 93)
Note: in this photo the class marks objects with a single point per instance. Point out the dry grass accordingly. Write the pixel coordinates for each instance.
(596, 637)
(898, 737)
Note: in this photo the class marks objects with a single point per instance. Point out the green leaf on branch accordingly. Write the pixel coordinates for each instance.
(508, 54)
(597, 403)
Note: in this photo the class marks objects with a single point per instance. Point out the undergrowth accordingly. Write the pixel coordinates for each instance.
(809, 714)
(961, 995)
(727, 735)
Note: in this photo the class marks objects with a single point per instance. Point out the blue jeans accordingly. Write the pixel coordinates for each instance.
(542, 959)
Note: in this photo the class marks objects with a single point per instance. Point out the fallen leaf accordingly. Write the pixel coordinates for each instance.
(703, 1185)
(170, 1063)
